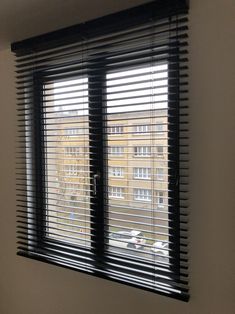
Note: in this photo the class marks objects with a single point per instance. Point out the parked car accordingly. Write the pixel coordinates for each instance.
(127, 239)
(160, 248)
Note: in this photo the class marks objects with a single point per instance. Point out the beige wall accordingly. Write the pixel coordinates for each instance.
(29, 287)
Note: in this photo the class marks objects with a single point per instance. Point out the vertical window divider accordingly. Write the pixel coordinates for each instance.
(39, 160)
(96, 83)
(173, 159)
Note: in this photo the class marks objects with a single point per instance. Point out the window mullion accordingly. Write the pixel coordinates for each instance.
(173, 166)
(96, 81)
(38, 162)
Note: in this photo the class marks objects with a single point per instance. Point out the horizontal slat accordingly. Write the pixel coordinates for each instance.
(177, 72)
(82, 143)
(133, 255)
(60, 233)
(160, 51)
(170, 214)
(163, 271)
(131, 78)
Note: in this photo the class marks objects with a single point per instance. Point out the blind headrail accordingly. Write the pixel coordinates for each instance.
(100, 26)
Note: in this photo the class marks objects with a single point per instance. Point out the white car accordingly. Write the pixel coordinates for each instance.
(160, 248)
(127, 239)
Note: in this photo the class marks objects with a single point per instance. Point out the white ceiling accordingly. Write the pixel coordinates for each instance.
(21, 19)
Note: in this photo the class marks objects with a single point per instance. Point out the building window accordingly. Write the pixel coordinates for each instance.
(86, 150)
(72, 151)
(71, 131)
(142, 195)
(160, 151)
(116, 192)
(160, 129)
(71, 170)
(116, 171)
(71, 187)
(141, 129)
(116, 150)
(142, 173)
(160, 174)
(78, 88)
(160, 199)
(142, 151)
(115, 130)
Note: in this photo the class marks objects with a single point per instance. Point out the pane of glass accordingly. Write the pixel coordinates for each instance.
(67, 160)
(137, 202)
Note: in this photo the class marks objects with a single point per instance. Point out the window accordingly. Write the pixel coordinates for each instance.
(116, 192)
(92, 100)
(70, 187)
(142, 173)
(116, 150)
(160, 199)
(71, 170)
(73, 151)
(160, 151)
(116, 171)
(142, 195)
(160, 174)
(141, 129)
(71, 132)
(142, 151)
(116, 130)
(160, 129)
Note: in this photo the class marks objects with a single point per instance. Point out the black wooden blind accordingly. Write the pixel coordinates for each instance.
(102, 160)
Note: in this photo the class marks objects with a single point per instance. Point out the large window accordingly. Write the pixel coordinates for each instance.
(102, 164)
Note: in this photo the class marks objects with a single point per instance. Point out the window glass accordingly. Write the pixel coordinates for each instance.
(67, 165)
(130, 100)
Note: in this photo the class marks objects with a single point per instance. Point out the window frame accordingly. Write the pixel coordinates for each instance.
(99, 164)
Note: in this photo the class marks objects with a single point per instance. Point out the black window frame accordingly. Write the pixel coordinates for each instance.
(99, 163)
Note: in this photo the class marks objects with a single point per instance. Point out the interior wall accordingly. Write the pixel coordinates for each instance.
(31, 287)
